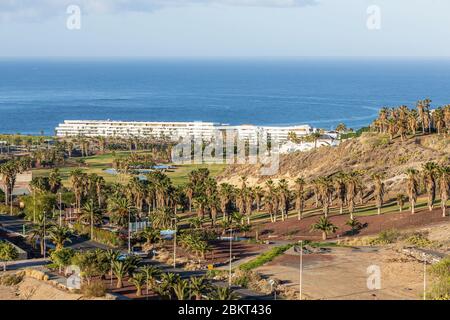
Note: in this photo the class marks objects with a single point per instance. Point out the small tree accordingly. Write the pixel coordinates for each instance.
(138, 280)
(223, 293)
(62, 257)
(401, 201)
(355, 225)
(325, 226)
(8, 252)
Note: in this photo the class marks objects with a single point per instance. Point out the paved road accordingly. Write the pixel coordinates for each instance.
(21, 264)
(15, 225)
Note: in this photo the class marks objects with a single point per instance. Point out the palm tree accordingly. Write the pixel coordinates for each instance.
(378, 191)
(168, 281)
(351, 184)
(400, 201)
(10, 170)
(198, 286)
(90, 213)
(111, 256)
(259, 193)
(284, 196)
(325, 226)
(120, 208)
(444, 181)
(271, 199)
(249, 197)
(59, 236)
(300, 196)
(138, 280)
(226, 192)
(181, 290)
(40, 232)
(438, 119)
(325, 189)
(151, 272)
(412, 121)
(163, 218)
(223, 293)
(189, 189)
(54, 180)
(120, 270)
(412, 186)
(429, 178)
(201, 203)
(339, 186)
(78, 180)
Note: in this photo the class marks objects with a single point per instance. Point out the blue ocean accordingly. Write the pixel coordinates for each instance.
(36, 95)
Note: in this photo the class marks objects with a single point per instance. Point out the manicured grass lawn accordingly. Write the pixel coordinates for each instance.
(97, 164)
(180, 175)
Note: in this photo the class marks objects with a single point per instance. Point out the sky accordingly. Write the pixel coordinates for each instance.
(226, 28)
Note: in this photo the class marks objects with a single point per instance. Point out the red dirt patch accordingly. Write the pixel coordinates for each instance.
(294, 229)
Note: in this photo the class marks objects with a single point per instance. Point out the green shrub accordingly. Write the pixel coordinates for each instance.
(7, 210)
(10, 279)
(94, 289)
(441, 269)
(264, 257)
(100, 235)
(418, 240)
(62, 258)
(387, 237)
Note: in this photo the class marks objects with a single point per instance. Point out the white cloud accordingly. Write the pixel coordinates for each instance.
(35, 9)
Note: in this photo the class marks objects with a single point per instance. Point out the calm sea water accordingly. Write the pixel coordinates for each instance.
(36, 95)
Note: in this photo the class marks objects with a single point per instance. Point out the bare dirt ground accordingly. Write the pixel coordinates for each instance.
(341, 273)
(32, 289)
(292, 229)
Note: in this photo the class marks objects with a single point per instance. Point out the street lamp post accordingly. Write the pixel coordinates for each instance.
(231, 252)
(60, 210)
(11, 203)
(43, 236)
(129, 231)
(424, 277)
(301, 269)
(175, 244)
(34, 206)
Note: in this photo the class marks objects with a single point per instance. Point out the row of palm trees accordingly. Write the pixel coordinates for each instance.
(434, 177)
(9, 172)
(403, 121)
(99, 263)
(162, 200)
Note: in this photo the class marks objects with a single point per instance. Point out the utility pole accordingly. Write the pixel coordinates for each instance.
(424, 277)
(231, 252)
(60, 210)
(92, 219)
(175, 244)
(34, 206)
(129, 231)
(43, 236)
(301, 270)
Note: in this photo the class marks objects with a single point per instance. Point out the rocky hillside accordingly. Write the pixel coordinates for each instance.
(370, 153)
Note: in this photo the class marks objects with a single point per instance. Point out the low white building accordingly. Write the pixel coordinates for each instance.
(174, 130)
(325, 140)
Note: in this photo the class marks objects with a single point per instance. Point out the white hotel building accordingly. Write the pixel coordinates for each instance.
(172, 130)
